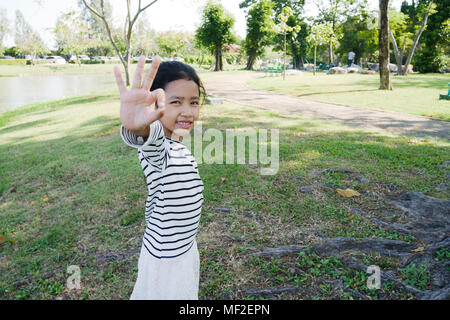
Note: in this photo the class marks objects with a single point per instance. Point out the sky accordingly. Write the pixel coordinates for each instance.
(164, 15)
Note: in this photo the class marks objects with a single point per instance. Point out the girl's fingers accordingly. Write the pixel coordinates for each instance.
(119, 80)
(148, 81)
(137, 82)
(158, 96)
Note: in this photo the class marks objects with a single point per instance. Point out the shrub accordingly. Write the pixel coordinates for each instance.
(13, 62)
(92, 61)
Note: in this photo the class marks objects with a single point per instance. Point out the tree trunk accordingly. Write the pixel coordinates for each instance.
(398, 55)
(78, 60)
(416, 40)
(383, 36)
(217, 56)
(315, 52)
(250, 61)
(330, 52)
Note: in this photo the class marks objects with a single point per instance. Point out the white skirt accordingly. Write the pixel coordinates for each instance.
(167, 279)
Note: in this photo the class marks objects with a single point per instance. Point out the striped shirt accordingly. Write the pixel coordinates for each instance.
(175, 192)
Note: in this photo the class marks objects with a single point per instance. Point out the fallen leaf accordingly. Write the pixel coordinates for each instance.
(348, 193)
(354, 286)
(224, 179)
(2, 239)
(45, 198)
(351, 217)
(419, 249)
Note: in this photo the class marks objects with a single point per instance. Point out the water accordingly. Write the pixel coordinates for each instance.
(18, 91)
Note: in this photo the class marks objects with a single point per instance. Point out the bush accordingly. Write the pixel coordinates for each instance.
(13, 62)
(38, 61)
(92, 61)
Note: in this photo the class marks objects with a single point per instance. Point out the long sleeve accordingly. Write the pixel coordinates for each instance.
(155, 150)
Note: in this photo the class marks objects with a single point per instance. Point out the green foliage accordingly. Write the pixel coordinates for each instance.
(443, 254)
(27, 40)
(434, 41)
(215, 30)
(358, 37)
(321, 34)
(416, 275)
(172, 42)
(13, 62)
(260, 29)
(71, 34)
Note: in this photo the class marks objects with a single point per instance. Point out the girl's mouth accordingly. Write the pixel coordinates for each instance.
(184, 124)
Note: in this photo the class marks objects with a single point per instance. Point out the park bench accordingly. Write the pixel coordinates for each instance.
(445, 96)
(276, 70)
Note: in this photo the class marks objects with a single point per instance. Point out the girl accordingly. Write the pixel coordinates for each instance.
(155, 114)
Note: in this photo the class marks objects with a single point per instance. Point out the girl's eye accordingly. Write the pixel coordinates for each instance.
(175, 102)
(195, 103)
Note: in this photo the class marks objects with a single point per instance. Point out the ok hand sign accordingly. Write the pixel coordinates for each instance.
(137, 105)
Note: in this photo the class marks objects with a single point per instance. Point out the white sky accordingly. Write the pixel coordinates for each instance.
(182, 15)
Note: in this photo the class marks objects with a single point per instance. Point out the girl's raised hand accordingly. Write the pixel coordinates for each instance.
(137, 105)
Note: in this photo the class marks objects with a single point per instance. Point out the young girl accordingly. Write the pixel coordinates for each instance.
(155, 114)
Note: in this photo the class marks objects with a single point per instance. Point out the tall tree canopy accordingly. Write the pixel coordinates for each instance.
(27, 40)
(122, 45)
(4, 28)
(435, 42)
(215, 30)
(71, 34)
(260, 30)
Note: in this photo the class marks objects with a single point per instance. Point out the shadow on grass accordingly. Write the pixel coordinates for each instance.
(49, 106)
(30, 124)
(66, 169)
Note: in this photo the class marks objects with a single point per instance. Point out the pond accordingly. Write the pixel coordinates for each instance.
(18, 91)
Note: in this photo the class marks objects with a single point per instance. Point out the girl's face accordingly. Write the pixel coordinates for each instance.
(182, 108)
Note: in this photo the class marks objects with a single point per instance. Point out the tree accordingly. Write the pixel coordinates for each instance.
(71, 34)
(335, 12)
(129, 24)
(434, 41)
(26, 39)
(215, 31)
(399, 54)
(144, 39)
(283, 28)
(360, 35)
(296, 5)
(383, 40)
(321, 34)
(4, 28)
(99, 43)
(297, 45)
(171, 42)
(260, 30)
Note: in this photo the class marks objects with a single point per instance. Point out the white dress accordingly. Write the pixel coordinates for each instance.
(169, 263)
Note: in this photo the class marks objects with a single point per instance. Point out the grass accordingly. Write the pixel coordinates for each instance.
(80, 194)
(416, 94)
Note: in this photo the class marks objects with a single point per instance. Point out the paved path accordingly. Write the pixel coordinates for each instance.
(233, 87)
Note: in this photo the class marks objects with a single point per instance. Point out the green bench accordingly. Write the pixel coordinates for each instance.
(275, 70)
(445, 96)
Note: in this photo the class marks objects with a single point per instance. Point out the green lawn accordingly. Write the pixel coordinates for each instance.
(80, 194)
(415, 94)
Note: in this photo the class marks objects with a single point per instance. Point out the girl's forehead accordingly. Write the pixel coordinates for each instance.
(182, 84)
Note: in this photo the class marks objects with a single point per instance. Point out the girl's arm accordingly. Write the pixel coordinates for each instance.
(154, 149)
(141, 127)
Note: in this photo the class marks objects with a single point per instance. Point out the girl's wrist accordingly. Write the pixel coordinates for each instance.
(142, 133)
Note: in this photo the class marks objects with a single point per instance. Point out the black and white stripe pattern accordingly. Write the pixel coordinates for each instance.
(174, 203)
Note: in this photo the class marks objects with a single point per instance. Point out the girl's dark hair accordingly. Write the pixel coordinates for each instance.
(169, 71)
